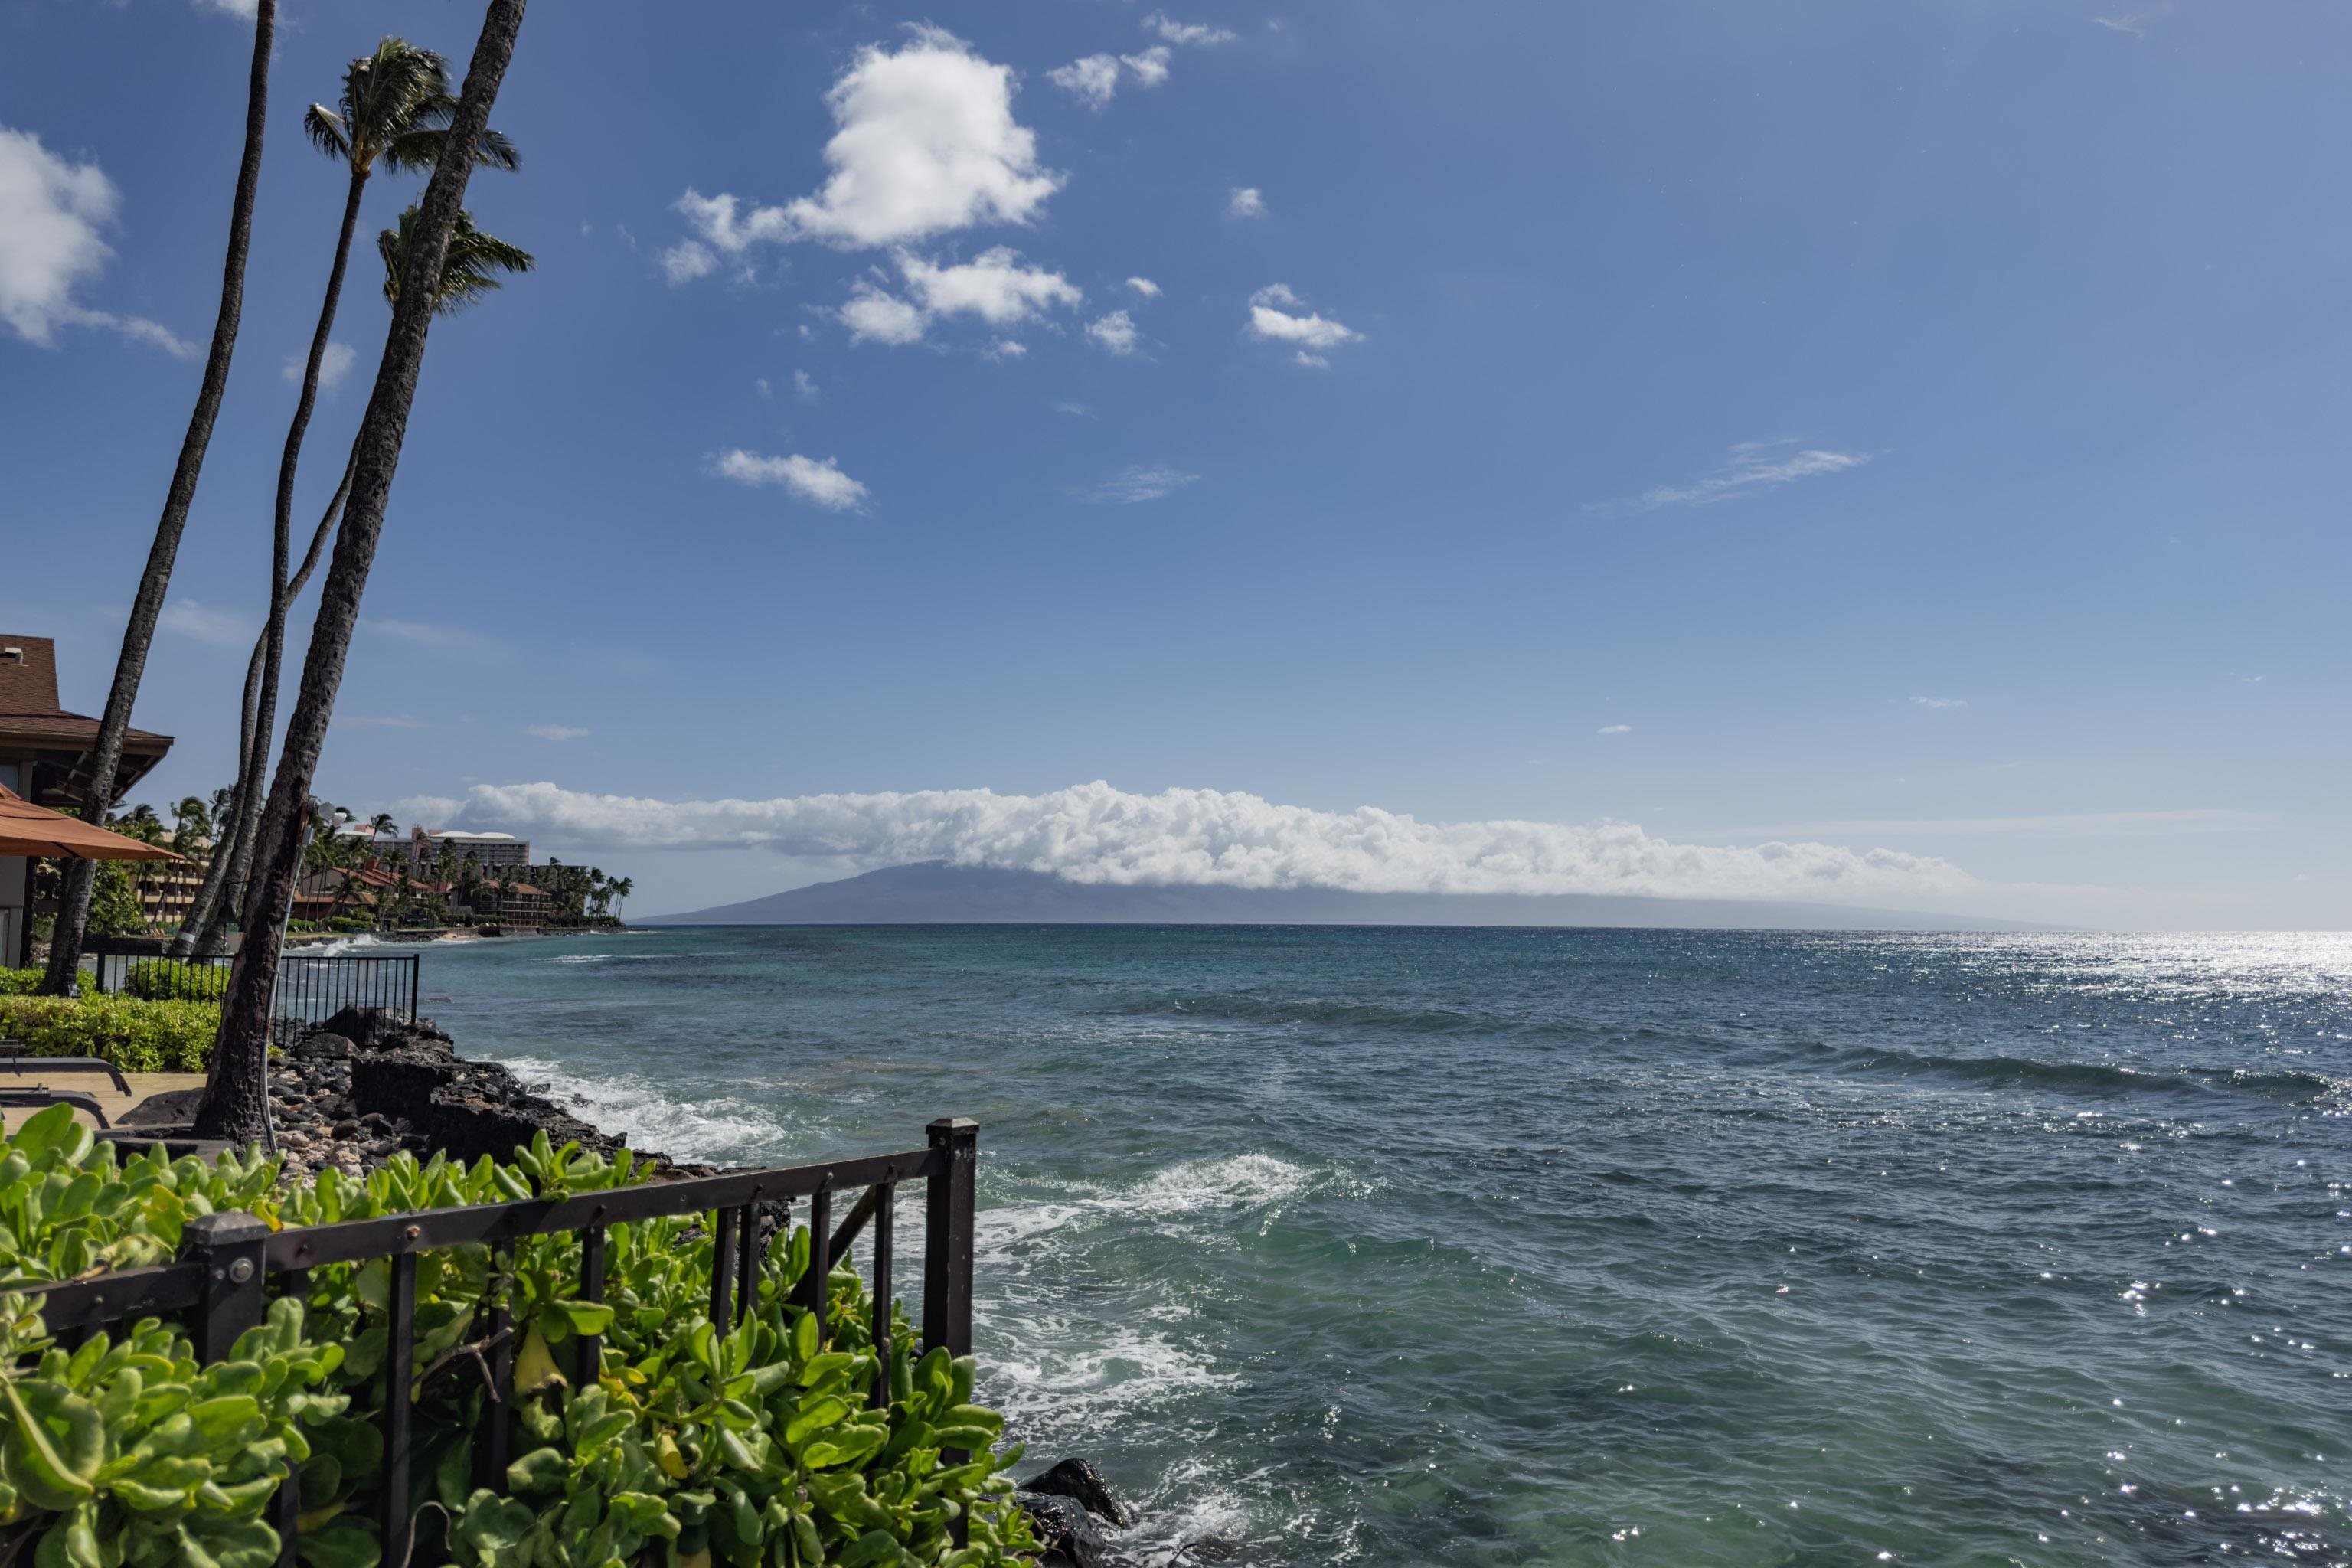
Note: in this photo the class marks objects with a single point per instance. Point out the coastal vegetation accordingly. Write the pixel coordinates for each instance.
(683, 1446)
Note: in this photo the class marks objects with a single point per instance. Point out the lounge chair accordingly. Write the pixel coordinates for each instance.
(42, 1098)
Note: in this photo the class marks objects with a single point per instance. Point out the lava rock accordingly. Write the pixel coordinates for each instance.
(172, 1108)
(1067, 1535)
(1081, 1482)
(324, 1044)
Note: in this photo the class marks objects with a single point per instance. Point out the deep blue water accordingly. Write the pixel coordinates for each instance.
(1500, 1246)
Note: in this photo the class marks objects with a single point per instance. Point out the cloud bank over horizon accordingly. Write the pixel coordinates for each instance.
(1093, 833)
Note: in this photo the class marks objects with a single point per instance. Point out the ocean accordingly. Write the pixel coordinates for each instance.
(1416, 1245)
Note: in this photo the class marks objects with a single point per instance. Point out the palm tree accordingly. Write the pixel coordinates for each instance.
(468, 274)
(236, 1093)
(622, 887)
(395, 108)
(106, 752)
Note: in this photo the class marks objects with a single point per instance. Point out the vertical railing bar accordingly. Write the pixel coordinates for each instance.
(399, 1367)
(886, 1201)
(491, 1442)
(747, 1263)
(722, 1272)
(591, 1291)
(815, 1286)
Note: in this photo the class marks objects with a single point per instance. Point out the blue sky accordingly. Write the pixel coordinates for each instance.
(1914, 429)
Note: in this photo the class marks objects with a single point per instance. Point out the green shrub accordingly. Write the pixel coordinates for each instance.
(163, 980)
(684, 1446)
(19, 982)
(135, 1036)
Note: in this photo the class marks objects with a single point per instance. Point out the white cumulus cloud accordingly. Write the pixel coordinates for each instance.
(1616, 729)
(1177, 32)
(1246, 201)
(1095, 833)
(688, 261)
(818, 483)
(995, 287)
(1115, 331)
(1093, 81)
(924, 143)
(1145, 287)
(875, 315)
(1151, 67)
(1273, 317)
(51, 213)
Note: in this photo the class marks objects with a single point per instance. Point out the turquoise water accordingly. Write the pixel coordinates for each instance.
(1485, 1247)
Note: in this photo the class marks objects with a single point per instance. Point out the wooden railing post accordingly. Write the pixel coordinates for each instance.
(230, 1300)
(948, 1235)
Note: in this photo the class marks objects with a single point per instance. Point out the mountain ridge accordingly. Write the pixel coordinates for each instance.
(932, 892)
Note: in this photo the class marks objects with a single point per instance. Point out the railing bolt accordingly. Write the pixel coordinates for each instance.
(241, 1270)
(412, 1232)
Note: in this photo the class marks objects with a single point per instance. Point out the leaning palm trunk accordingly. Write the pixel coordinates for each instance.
(205, 928)
(236, 1093)
(106, 753)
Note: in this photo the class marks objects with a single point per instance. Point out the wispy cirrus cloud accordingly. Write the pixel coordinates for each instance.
(382, 721)
(201, 623)
(1615, 730)
(427, 634)
(1754, 467)
(554, 731)
(1940, 702)
(1140, 482)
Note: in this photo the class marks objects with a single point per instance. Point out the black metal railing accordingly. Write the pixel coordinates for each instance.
(311, 987)
(220, 1282)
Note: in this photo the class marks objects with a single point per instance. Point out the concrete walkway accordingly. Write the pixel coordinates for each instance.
(99, 1087)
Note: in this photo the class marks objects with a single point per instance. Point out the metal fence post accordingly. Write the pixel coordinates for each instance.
(230, 1300)
(948, 1235)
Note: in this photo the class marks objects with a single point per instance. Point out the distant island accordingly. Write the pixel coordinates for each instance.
(934, 892)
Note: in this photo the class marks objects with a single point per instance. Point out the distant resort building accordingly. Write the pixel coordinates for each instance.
(490, 852)
(45, 755)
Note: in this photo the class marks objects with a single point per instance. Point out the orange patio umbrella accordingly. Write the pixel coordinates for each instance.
(44, 835)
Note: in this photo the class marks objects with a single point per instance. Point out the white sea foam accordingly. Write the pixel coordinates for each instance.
(718, 1129)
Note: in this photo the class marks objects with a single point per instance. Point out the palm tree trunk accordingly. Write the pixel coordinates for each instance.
(236, 1091)
(205, 930)
(106, 753)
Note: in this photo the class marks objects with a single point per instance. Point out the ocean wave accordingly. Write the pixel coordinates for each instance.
(1301, 1013)
(2289, 1085)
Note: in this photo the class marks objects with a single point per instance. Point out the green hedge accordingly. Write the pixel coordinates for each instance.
(19, 982)
(135, 1036)
(684, 1446)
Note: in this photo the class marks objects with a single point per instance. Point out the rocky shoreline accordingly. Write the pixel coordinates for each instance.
(369, 1082)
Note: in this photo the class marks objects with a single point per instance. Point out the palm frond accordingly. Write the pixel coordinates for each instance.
(384, 92)
(468, 267)
(326, 132)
